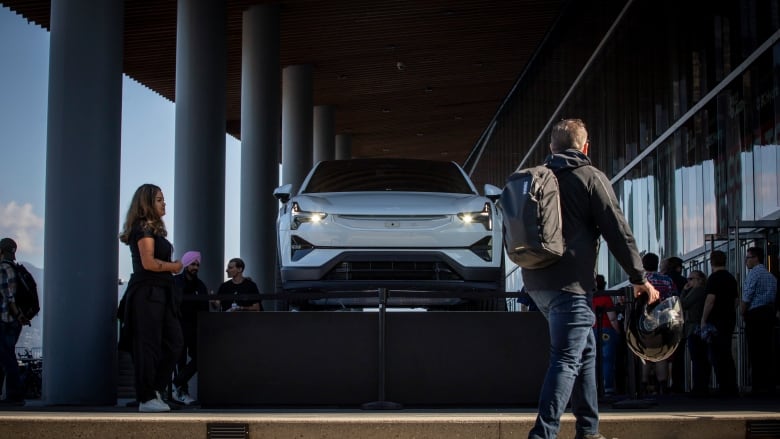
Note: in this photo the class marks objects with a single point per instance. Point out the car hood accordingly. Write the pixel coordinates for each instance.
(390, 203)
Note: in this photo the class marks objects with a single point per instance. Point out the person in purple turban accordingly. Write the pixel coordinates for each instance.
(193, 292)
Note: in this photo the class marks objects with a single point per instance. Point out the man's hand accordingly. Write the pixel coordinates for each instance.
(647, 288)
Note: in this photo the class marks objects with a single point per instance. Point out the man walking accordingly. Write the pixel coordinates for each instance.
(589, 210)
(11, 322)
(758, 309)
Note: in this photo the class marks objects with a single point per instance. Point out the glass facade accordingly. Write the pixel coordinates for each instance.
(681, 102)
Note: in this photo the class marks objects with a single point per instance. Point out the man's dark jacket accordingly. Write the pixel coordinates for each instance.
(589, 210)
(189, 287)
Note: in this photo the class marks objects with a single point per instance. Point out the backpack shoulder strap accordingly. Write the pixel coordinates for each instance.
(10, 264)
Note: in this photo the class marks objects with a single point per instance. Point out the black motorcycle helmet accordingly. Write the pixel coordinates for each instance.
(654, 331)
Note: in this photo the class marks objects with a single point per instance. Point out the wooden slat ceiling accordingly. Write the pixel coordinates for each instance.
(460, 59)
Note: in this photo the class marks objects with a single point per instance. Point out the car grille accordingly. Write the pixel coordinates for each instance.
(392, 270)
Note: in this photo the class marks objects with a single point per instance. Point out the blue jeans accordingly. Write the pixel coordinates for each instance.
(609, 340)
(9, 335)
(572, 369)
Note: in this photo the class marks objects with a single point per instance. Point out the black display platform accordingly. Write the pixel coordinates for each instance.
(331, 358)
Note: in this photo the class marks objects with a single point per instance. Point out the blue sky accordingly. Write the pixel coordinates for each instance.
(147, 129)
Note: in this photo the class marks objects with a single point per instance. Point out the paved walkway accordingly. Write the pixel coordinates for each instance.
(671, 417)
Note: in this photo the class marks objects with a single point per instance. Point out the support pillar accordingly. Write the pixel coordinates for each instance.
(343, 147)
(199, 181)
(324, 140)
(83, 150)
(260, 114)
(297, 115)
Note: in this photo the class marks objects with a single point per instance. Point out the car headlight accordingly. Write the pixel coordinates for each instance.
(484, 217)
(298, 216)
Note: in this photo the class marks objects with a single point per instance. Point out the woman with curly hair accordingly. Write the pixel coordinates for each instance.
(151, 315)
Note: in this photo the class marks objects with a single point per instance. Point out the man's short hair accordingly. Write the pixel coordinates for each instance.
(675, 262)
(568, 134)
(758, 252)
(7, 245)
(239, 263)
(650, 261)
(718, 258)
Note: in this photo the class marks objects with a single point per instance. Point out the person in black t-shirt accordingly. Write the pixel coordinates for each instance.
(238, 285)
(720, 313)
(151, 314)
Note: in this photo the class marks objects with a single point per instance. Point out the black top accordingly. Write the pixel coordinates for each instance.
(191, 288)
(724, 287)
(247, 286)
(163, 250)
(589, 209)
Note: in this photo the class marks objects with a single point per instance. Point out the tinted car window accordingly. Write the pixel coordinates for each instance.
(358, 175)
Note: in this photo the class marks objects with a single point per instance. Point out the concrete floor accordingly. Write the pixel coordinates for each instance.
(670, 417)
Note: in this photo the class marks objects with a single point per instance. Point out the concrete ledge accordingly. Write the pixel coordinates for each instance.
(333, 425)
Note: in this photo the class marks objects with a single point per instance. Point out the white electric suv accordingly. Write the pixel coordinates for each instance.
(407, 225)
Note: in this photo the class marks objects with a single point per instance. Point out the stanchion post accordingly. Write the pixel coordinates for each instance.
(380, 403)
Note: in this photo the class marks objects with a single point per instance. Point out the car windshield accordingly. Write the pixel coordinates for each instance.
(363, 175)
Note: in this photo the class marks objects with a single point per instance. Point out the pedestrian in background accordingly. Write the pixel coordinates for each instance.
(658, 371)
(692, 301)
(758, 309)
(718, 320)
(11, 322)
(190, 287)
(607, 333)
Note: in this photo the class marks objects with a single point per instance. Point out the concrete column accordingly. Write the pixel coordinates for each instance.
(343, 147)
(324, 129)
(260, 115)
(199, 182)
(82, 202)
(297, 114)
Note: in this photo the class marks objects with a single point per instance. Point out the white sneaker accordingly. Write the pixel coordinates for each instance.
(153, 406)
(182, 396)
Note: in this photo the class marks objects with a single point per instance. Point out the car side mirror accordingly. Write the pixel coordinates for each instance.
(493, 193)
(283, 193)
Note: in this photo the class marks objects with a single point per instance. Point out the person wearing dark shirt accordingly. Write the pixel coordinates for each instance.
(692, 301)
(590, 211)
(190, 287)
(151, 310)
(238, 285)
(11, 322)
(717, 322)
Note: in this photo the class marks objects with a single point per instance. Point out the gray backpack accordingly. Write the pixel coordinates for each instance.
(531, 208)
